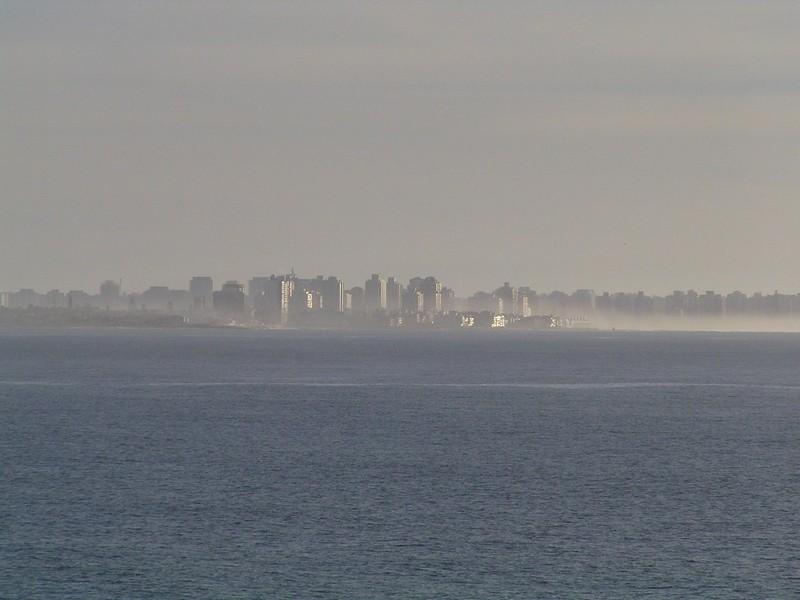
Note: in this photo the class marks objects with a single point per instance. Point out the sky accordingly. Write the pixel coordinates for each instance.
(616, 146)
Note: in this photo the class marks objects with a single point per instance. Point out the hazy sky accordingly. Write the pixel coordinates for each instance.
(609, 145)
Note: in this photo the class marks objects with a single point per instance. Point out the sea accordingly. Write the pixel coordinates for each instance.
(224, 463)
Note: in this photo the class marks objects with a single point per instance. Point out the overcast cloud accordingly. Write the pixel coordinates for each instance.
(609, 145)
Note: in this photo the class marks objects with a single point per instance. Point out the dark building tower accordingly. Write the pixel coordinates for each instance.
(229, 302)
(394, 295)
(712, 304)
(510, 297)
(156, 297)
(528, 298)
(109, 294)
(333, 295)
(448, 299)
(201, 290)
(255, 289)
(413, 301)
(375, 294)
(356, 299)
(273, 303)
(735, 303)
(584, 302)
(485, 302)
(431, 291)
(328, 294)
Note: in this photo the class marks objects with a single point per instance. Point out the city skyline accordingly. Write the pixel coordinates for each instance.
(629, 146)
(382, 281)
(291, 299)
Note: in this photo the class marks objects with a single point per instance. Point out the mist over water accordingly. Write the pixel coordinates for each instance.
(292, 464)
(710, 324)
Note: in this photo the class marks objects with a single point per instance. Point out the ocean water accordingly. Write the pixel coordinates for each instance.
(264, 464)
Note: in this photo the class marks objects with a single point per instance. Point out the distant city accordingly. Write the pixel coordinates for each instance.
(323, 302)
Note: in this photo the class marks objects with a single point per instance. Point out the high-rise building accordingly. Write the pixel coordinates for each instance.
(510, 297)
(333, 294)
(26, 297)
(329, 293)
(735, 303)
(711, 303)
(356, 299)
(431, 291)
(78, 298)
(448, 299)
(201, 290)
(485, 302)
(109, 294)
(413, 301)
(155, 297)
(229, 301)
(394, 295)
(273, 304)
(375, 293)
(255, 288)
(55, 298)
(529, 299)
(584, 302)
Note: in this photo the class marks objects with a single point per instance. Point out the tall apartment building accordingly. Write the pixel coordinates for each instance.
(375, 293)
(229, 301)
(201, 290)
(486, 302)
(583, 302)
(510, 297)
(356, 296)
(328, 294)
(255, 288)
(109, 294)
(333, 294)
(431, 291)
(274, 300)
(394, 295)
